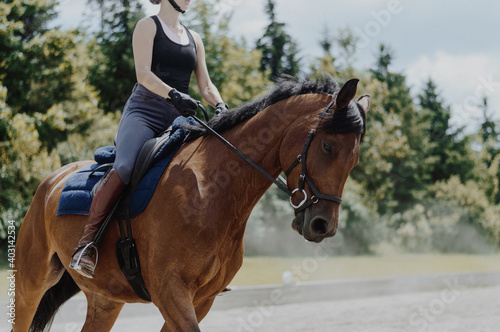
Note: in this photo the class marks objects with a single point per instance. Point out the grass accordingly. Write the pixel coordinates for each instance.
(269, 270)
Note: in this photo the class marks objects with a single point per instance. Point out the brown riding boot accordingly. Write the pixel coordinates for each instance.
(84, 259)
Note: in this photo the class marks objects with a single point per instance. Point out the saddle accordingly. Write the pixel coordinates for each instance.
(145, 159)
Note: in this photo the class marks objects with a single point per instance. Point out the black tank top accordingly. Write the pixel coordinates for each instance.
(173, 63)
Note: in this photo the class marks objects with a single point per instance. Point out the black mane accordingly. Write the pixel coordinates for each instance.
(285, 88)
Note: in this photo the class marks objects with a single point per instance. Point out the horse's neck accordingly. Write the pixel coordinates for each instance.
(260, 138)
(221, 187)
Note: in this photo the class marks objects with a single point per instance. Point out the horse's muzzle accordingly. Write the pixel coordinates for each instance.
(314, 229)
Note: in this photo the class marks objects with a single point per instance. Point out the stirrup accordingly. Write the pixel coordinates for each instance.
(84, 270)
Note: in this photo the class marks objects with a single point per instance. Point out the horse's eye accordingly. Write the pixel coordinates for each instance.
(327, 147)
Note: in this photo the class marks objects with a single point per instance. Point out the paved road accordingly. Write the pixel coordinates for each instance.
(441, 302)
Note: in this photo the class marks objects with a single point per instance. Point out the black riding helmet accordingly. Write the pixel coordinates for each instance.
(176, 6)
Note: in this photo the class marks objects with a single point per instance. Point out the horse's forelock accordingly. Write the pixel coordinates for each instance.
(348, 120)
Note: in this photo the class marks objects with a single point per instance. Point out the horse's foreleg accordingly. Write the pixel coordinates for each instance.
(203, 308)
(177, 309)
(101, 313)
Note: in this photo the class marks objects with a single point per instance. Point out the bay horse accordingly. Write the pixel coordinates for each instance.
(190, 236)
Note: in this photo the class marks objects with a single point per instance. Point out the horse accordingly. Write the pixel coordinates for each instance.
(190, 236)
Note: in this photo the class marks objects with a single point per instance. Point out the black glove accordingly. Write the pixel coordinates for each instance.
(220, 107)
(183, 102)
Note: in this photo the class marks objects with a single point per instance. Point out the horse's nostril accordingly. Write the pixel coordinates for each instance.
(319, 226)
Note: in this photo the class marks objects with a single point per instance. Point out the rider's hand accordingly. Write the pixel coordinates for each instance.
(220, 107)
(183, 102)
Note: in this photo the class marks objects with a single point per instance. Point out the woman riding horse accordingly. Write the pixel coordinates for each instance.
(165, 55)
(190, 236)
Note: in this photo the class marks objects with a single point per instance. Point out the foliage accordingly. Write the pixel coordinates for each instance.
(232, 67)
(46, 121)
(473, 199)
(488, 141)
(112, 73)
(449, 150)
(34, 65)
(25, 161)
(421, 185)
(279, 51)
(407, 148)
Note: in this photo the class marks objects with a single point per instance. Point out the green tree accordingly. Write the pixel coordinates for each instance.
(113, 72)
(384, 59)
(347, 46)
(24, 161)
(339, 54)
(488, 138)
(51, 103)
(34, 63)
(452, 157)
(489, 132)
(400, 100)
(233, 68)
(279, 50)
(412, 172)
(325, 64)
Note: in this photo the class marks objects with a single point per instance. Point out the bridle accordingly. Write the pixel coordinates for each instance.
(305, 178)
(301, 159)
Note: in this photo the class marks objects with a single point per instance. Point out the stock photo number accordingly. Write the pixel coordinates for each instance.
(11, 257)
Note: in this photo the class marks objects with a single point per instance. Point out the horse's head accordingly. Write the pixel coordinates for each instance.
(330, 152)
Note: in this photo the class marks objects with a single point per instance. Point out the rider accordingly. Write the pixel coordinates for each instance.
(165, 55)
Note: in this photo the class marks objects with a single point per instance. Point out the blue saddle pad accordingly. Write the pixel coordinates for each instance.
(75, 197)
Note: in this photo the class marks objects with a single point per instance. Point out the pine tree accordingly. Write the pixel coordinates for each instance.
(410, 169)
(113, 71)
(33, 64)
(448, 147)
(384, 59)
(279, 51)
(489, 128)
(233, 68)
(489, 138)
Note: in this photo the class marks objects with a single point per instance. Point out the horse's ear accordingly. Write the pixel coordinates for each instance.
(364, 102)
(346, 94)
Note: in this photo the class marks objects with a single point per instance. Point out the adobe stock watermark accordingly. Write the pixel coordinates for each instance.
(423, 316)
(486, 87)
(11, 277)
(299, 272)
(381, 20)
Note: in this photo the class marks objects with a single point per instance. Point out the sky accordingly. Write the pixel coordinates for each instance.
(456, 43)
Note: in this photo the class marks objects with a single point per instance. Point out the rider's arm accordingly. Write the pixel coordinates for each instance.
(208, 90)
(142, 45)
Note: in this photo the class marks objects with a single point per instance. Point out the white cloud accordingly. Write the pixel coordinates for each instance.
(463, 80)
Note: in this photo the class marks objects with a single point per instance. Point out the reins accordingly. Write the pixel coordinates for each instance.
(241, 154)
(303, 178)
